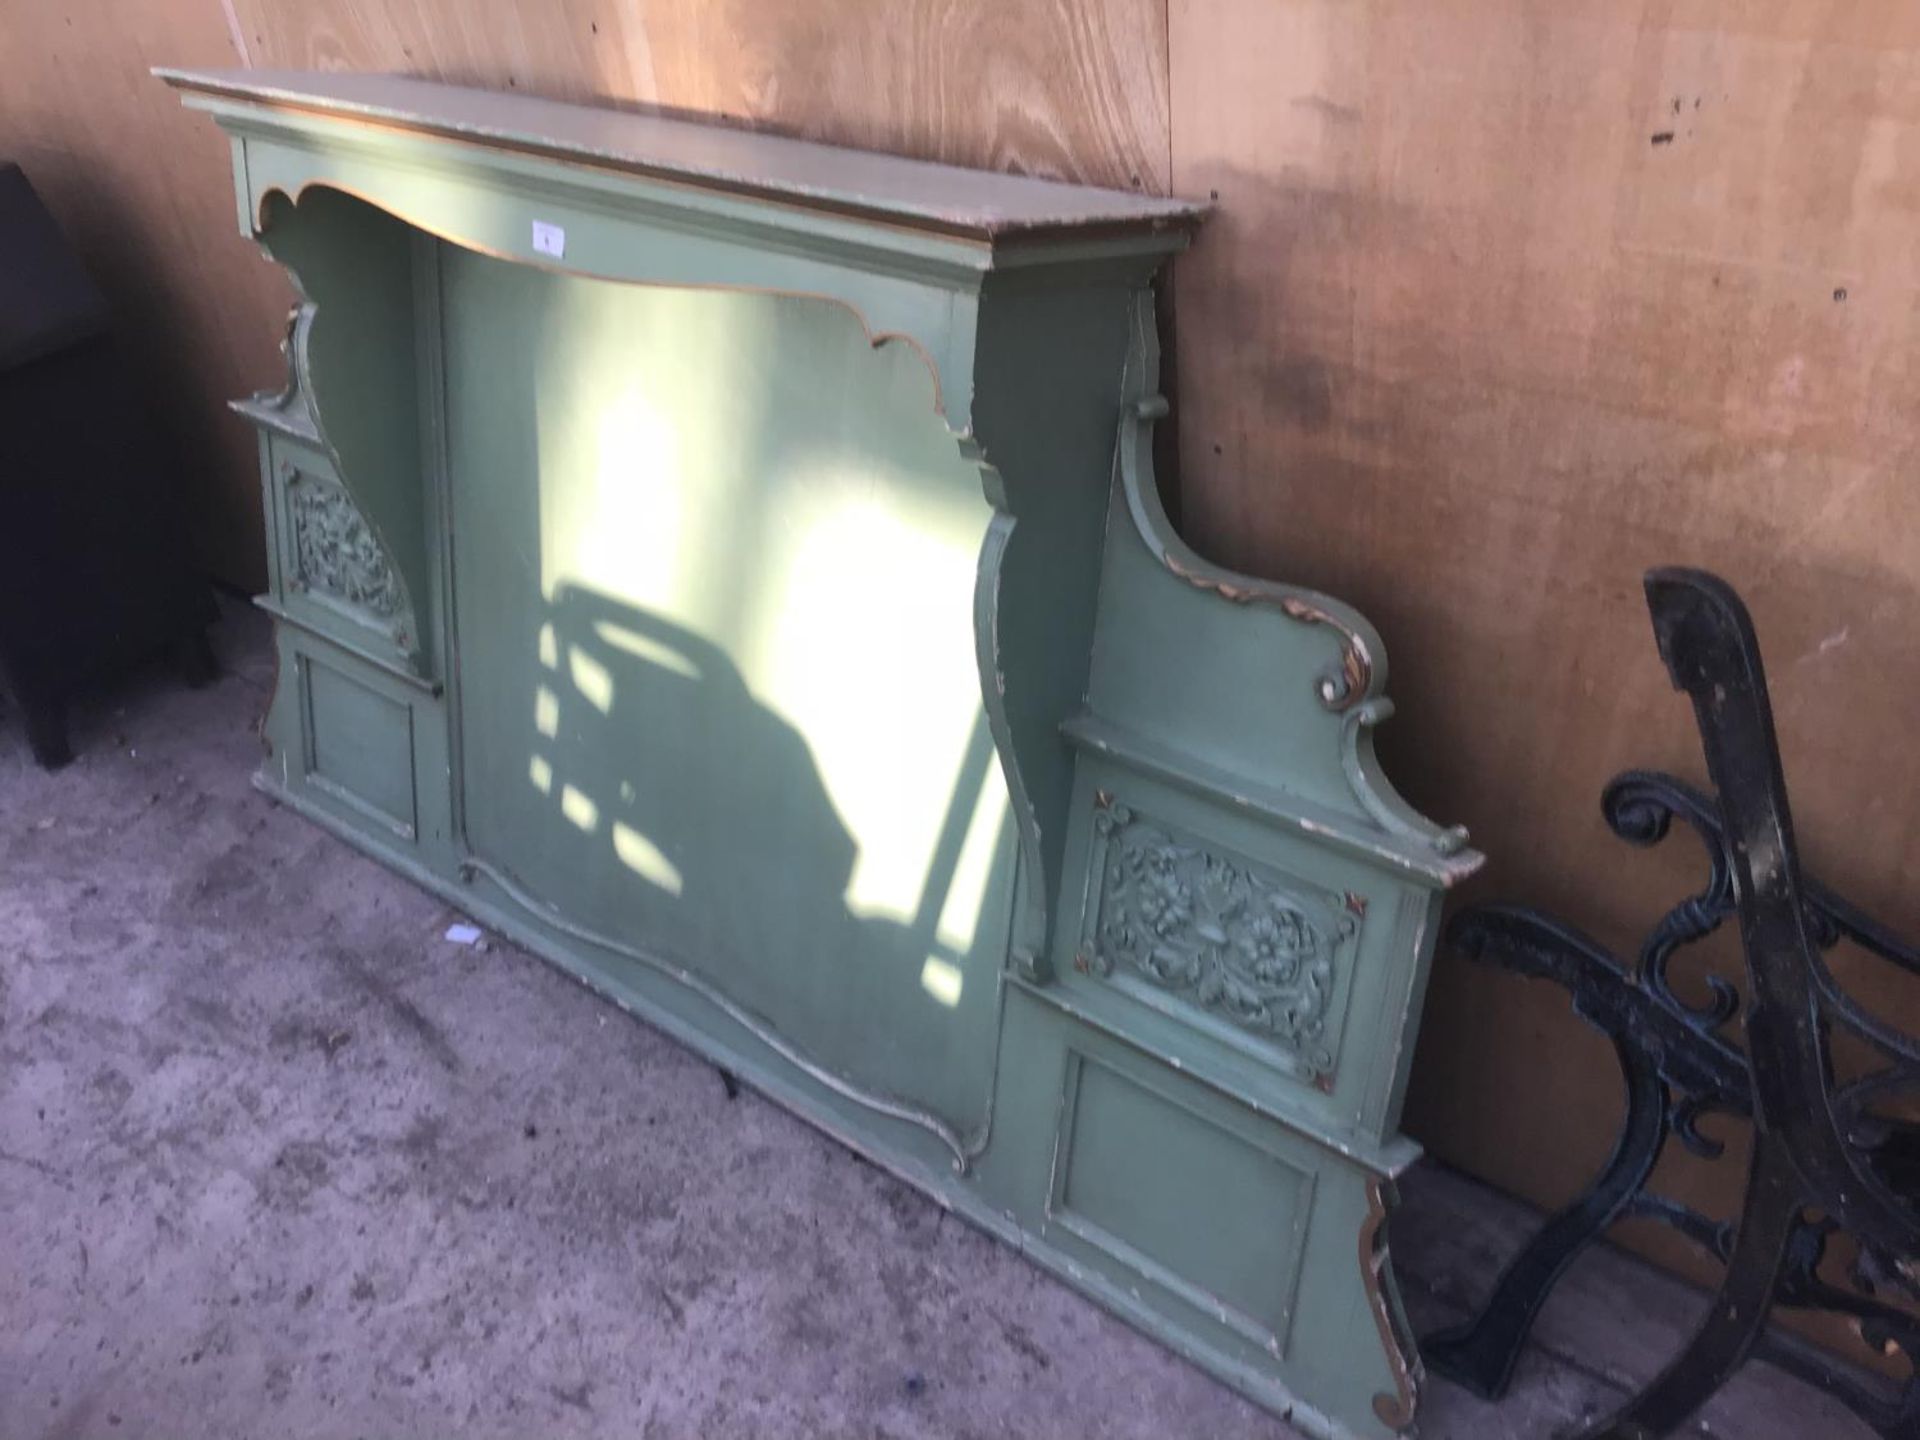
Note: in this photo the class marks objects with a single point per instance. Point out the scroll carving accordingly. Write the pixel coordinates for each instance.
(335, 552)
(1225, 935)
(287, 410)
(1394, 1408)
(1351, 687)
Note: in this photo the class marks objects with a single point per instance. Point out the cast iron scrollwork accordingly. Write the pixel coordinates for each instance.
(1831, 1156)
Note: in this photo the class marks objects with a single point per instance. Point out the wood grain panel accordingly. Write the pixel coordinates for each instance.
(1074, 89)
(571, 50)
(144, 191)
(1505, 302)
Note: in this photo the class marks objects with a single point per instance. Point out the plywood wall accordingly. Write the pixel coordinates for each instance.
(1066, 88)
(1505, 300)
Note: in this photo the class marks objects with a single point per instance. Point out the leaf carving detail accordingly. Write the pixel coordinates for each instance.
(1198, 924)
(336, 552)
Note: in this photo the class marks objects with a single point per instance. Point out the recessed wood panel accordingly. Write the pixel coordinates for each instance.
(1214, 1217)
(359, 744)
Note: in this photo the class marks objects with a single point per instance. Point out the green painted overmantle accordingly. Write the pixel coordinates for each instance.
(734, 568)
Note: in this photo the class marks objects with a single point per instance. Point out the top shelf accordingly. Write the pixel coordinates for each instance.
(916, 193)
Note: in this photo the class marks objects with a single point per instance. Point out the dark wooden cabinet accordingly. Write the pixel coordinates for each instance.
(95, 568)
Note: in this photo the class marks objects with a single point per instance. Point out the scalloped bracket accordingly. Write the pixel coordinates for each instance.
(1314, 698)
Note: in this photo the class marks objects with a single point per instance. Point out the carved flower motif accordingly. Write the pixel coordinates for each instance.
(1166, 906)
(1197, 923)
(336, 553)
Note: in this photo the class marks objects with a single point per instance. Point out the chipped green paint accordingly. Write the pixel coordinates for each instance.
(733, 568)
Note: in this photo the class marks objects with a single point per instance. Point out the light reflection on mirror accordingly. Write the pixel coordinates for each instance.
(866, 647)
(644, 858)
(580, 810)
(592, 679)
(960, 915)
(546, 712)
(943, 980)
(645, 647)
(835, 570)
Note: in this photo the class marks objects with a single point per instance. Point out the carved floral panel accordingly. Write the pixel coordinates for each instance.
(1219, 933)
(335, 553)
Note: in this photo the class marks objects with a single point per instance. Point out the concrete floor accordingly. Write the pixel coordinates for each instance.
(278, 1159)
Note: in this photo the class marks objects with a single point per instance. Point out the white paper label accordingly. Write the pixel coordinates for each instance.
(549, 239)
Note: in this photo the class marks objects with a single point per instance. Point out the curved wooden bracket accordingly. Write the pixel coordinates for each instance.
(299, 412)
(1361, 669)
(1028, 945)
(285, 410)
(1395, 1409)
(1350, 686)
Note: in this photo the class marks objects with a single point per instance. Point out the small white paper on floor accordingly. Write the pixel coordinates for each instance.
(464, 934)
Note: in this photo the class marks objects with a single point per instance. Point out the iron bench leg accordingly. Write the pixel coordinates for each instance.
(1826, 1160)
(1481, 1353)
(1738, 1316)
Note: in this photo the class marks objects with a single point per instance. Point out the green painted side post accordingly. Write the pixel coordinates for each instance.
(743, 582)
